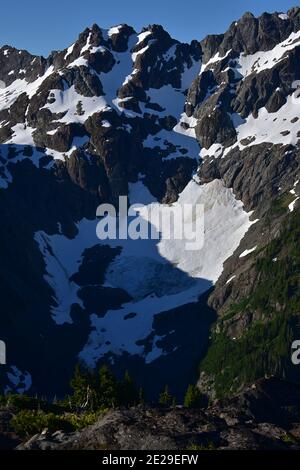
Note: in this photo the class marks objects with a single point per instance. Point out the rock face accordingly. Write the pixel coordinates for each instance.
(264, 416)
(253, 71)
(125, 114)
(79, 128)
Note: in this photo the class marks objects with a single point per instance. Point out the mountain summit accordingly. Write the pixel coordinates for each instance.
(214, 122)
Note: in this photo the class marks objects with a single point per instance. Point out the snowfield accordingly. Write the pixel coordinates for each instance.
(159, 274)
(163, 273)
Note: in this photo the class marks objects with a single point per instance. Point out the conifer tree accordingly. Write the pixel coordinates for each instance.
(128, 392)
(165, 398)
(141, 396)
(80, 385)
(194, 398)
(108, 388)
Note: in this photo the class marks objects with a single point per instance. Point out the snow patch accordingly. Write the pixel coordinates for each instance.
(69, 51)
(276, 128)
(263, 60)
(143, 36)
(114, 30)
(142, 269)
(68, 99)
(292, 204)
(137, 53)
(247, 252)
(213, 60)
(283, 16)
(230, 279)
(9, 94)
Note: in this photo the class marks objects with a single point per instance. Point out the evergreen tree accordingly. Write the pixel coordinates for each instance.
(108, 388)
(80, 385)
(93, 391)
(141, 397)
(165, 398)
(92, 401)
(194, 398)
(128, 392)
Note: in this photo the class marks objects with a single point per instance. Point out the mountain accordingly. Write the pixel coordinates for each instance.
(214, 122)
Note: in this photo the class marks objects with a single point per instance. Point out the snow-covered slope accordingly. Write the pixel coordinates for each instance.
(126, 113)
(159, 275)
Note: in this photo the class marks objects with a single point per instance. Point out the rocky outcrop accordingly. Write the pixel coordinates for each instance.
(8, 438)
(16, 64)
(255, 173)
(264, 416)
(251, 34)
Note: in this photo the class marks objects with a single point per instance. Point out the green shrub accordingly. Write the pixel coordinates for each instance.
(80, 421)
(21, 402)
(165, 398)
(28, 422)
(194, 398)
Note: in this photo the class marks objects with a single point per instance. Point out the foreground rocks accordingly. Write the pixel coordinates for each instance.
(266, 415)
(8, 438)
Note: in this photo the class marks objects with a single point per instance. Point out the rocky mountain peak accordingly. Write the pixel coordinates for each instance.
(141, 114)
(294, 11)
(251, 34)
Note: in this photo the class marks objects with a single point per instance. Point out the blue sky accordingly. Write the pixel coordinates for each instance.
(31, 25)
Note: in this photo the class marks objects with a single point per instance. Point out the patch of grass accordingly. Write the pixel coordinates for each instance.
(80, 421)
(289, 439)
(25, 402)
(26, 423)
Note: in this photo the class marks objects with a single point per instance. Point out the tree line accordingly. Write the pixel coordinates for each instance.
(100, 389)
